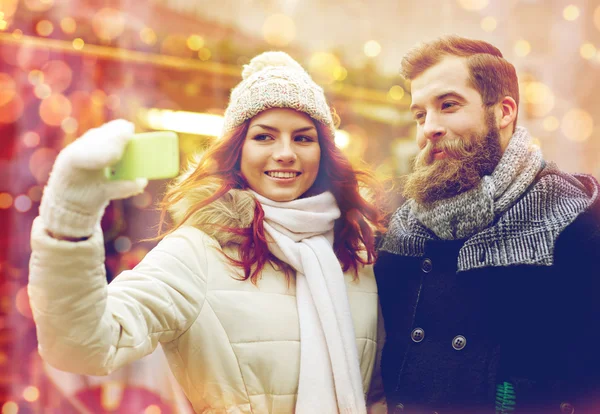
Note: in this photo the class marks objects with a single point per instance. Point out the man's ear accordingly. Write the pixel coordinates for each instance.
(508, 112)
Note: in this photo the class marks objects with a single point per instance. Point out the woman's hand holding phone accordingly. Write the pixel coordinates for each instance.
(78, 190)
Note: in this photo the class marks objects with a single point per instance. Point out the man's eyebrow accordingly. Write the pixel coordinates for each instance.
(270, 128)
(440, 97)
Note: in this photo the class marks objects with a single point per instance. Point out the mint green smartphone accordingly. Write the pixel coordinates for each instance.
(151, 155)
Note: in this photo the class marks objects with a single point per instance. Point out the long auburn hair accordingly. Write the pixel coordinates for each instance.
(358, 194)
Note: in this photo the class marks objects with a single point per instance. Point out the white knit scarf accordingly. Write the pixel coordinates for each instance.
(467, 213)
(302, 233)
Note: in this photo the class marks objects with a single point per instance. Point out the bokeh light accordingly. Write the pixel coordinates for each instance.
(54, 109)
(522, 48)
(31, 139)
(195, 42)
(148, 36)
(372, 48)
(108, 24)
(473, 4)
(6, 201)
(35, 193)
(68, 25)
(571, 12)
(8, 88)
(152, 409)
(40, 164)
(12, 110)
(539, 97)
(396, 92)
(78, 44)
(204, 54)
(31, 394)
(22, 203)
(44, 28)
(489, 24)
(22, 298)
(32, 57)
(587, 50)
(551, 123)
(35, 77)
(324, 67)
(69, 125)
(577, 125)
(279, 30)
(122, 244)
(42, 91)
(57, 75)
(10, 407)
(597, 17)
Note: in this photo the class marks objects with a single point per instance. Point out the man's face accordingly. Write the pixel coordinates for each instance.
(458, 136)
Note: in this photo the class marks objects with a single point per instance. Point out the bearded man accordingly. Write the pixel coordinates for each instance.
(489, 274)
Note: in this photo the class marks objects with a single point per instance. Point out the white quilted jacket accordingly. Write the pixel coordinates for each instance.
(234, 347)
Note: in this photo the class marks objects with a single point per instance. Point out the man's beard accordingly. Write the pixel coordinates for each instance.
(467, 160)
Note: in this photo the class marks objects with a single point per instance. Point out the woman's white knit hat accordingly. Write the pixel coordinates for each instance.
(275, 80)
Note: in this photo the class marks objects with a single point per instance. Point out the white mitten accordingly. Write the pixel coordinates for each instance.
(77, 191)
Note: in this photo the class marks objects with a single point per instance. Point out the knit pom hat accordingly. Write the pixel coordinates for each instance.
(275, 80)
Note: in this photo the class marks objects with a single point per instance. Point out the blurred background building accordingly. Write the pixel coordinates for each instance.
(69, 65)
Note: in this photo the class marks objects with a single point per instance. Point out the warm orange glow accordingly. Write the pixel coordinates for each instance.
(42, 91)
(473, 4)
(148, 36)
(44, 28)
(279, 30)
(11, 111)
(195, 42)
(522, 48)
(54, 109)
(35, 193)
(8, 88)
(68, 25)
(396, 92)
(36, 77)
(204, 53)
(152, 409)
(10, 407)
(6, 201)
(108, 24)
(31, 394)
(78, 44)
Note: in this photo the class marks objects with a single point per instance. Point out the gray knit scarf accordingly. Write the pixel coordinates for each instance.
(524, 214)
(465, 214)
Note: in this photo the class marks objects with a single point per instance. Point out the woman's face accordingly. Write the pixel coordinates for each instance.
(281, 154)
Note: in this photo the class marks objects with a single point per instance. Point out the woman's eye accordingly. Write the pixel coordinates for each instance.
(261, 137)
(304, 138)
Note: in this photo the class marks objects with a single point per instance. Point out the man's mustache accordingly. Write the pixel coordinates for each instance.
(455, 148)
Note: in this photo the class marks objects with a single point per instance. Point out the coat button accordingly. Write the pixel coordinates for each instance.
(459, 342)
(567, 408)
(417, 335)
(398, 408)
(426, 266)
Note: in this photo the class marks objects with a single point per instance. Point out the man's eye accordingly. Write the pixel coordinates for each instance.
(447, 105)
(419, 116)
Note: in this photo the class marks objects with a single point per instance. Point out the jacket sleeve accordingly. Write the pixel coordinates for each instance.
(87, 326)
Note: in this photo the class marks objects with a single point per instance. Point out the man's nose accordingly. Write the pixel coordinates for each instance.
(433, 128)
